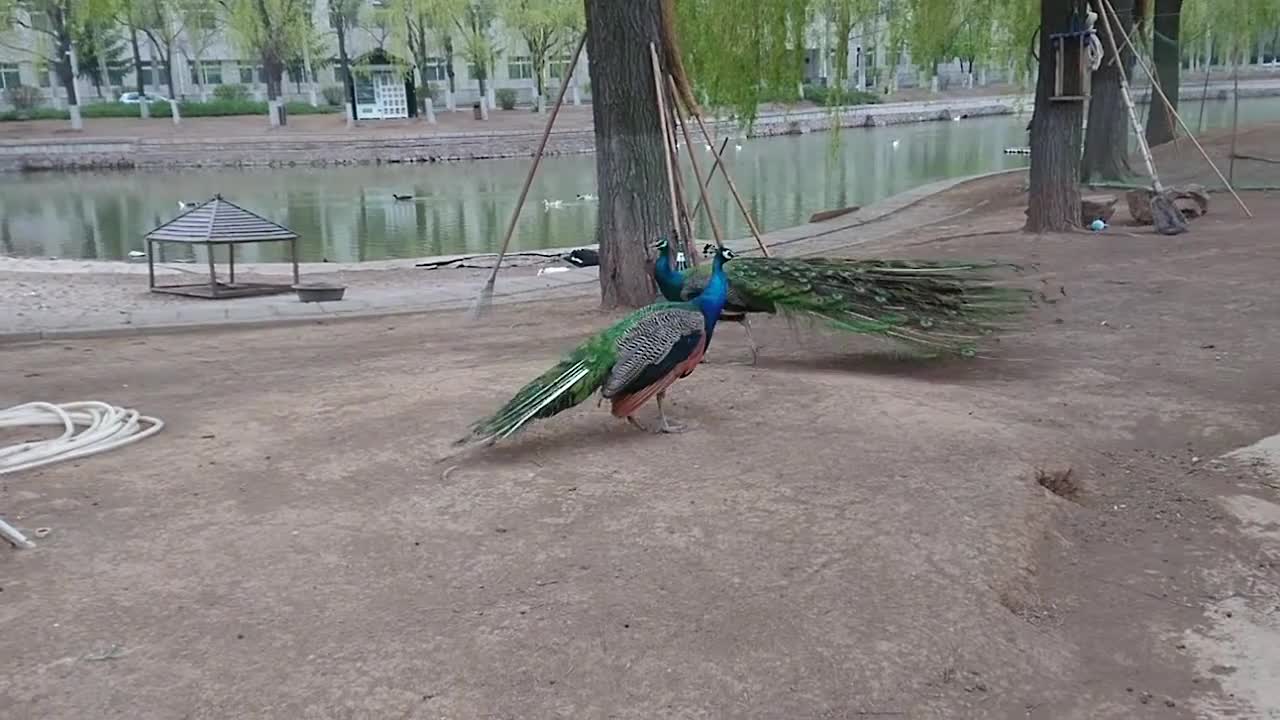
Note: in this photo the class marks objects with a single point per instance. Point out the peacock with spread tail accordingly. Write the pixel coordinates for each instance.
(938, 307)
(631, 362)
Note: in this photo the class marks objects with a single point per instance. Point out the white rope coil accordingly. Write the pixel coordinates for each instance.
(105, 427)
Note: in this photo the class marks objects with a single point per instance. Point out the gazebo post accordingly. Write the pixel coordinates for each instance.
(293, 255)
(231, 264)
(151, 264)
(213, 273)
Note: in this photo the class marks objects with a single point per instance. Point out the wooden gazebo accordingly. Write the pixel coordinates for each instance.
(213, 223)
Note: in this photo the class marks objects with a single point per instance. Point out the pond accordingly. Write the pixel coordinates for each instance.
(349, 214)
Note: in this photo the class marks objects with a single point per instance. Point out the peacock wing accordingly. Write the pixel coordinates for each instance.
(652, 348)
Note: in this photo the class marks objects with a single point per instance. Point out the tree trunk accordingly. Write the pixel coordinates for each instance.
(1168, 62)
(1106, 141)
(1054, 199)
(448, 63)
(634, 209)
(143, 106)
(168, 72)
(344, 63)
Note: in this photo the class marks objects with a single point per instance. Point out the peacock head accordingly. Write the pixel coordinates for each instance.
(711, 250)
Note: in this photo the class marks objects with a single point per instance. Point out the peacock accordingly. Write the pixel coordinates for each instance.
(637, 358)
(939, 307)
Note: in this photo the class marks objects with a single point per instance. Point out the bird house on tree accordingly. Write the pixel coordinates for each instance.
(1071, 70)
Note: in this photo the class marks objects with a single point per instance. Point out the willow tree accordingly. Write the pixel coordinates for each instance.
(1106, 140)
(423, 26)
(548, 28)
(274, 31)
(480, 47)
(54, 39)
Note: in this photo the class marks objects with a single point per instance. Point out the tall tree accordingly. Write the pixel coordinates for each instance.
(274, 31)
(1166, 52)
(428, 25)
(1054, 198)
(203, 25)
(344, 16)
(630, 169)
(479, 47)
(101, 52)
(163, 22)
(547, 27)
(55, 23)
(1106, 140)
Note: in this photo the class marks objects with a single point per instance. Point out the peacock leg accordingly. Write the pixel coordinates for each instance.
(636, 423)
(667, 426)
(755, 351)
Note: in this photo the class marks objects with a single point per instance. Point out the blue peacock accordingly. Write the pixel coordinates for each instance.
(636, 359)
(938, 307)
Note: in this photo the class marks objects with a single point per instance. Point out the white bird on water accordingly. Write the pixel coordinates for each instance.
(186, 205)
(737, 147)
(586, 197)
(548, 204)
(895, 144)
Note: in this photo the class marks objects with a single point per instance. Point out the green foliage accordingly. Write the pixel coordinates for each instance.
(217, 108)
(231, 93)
(1234, 26)
(740, 52)
(506, 98)
(24, 98)
(548, 28)
(334, 95)
(479, 46)
(839, 97)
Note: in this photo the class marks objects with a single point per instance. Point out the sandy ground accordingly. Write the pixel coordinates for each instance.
(844, 532)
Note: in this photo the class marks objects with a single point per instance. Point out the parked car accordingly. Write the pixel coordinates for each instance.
(133, 98)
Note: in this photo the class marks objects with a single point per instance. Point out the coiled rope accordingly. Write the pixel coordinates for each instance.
(105, 427)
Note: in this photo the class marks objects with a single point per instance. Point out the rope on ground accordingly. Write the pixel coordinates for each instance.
(105, 427)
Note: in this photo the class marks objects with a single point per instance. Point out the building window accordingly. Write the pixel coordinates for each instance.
(557, 68)
(212, 73)
(520, 67)
(9, 77)
(204, 20)
(115, 75)
(248, 72)
(435, 70)
(39, 21)
(473, 71)
(42, 75)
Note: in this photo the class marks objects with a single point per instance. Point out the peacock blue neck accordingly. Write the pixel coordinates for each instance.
(670, 281)
(713, 297)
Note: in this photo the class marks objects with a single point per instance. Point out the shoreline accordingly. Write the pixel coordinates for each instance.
(60, 154)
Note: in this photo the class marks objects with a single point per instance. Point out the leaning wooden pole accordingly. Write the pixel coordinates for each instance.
(486, 293)
(697, 172)
(719, 159)
(733, 190)
(1106, 7)
(667, 143)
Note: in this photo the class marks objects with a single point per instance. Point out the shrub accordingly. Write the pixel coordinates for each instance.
(24, 98)
(231, 93)
(835, 96)
(335, 95)
(216, 108)
(506, 98)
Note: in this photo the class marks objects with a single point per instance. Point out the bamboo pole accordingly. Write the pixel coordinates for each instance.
(719, 155)
(1105, 6)
(1133, 115)
(486, 293)
(733, 189)
(684, 230)
(660, 91)
(697, 172)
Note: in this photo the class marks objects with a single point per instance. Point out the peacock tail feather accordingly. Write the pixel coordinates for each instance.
(941, 307)
(571, 381)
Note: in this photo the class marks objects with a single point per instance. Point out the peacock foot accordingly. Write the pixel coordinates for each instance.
(673, 428)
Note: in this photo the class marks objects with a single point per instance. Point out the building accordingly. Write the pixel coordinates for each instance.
(208, 58)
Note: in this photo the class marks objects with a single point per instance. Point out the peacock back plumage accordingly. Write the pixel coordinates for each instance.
(944, 307)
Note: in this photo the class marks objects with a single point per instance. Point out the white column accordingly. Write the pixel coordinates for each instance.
(311, 78)
(430, 110)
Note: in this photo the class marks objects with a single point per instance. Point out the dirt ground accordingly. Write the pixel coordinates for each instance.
(844, 532)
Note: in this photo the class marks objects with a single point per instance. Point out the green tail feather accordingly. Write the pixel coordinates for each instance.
(942, 307)
(571, 381)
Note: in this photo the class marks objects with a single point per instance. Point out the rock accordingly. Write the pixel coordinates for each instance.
(1191, 200)
(1097, 207)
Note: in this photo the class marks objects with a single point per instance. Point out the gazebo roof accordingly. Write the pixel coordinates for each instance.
(220, 221)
